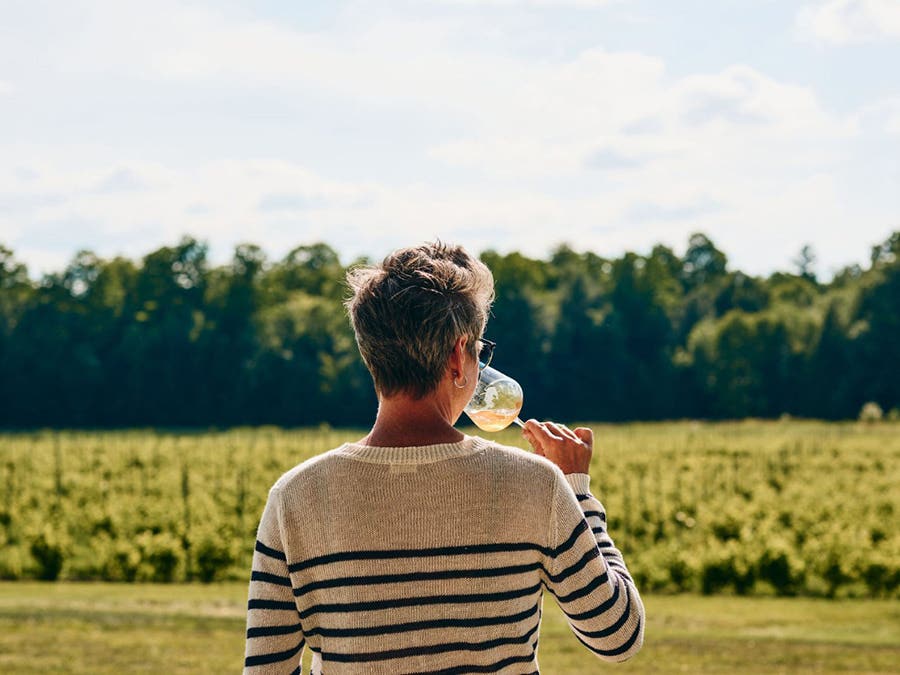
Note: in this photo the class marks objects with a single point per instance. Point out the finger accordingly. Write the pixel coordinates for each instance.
(568, 432)
(532, 425)
(544, 431)
(586, 435)
(556, 429)
(560, 432)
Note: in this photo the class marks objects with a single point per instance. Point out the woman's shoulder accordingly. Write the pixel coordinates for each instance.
(522, 461)
(526, 478)
(311, 469)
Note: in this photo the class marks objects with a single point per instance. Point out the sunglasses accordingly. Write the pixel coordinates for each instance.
(486, 353)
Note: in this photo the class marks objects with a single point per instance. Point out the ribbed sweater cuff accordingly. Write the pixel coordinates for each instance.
(579, 482)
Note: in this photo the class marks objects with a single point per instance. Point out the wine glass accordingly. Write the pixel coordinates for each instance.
(496, 402)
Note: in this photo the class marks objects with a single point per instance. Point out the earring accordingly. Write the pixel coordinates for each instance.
(464, 384)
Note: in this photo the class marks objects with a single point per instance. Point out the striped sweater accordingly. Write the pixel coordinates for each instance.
(432, 559)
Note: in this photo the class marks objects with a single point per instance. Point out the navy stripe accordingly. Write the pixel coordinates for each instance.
(267, 631)
(598, 514)
(581, 527)
(425, 625)
(617, 566)
(417, 576)
(263, 659)
(598, 610)
(270, 578)
(584, 498)
(587, 589)
(604, 544)
(488, 668)
(261, 603)
(427, 650)
(600, 530)
(413, 602)
(296, 671)
(592, 553)
(623, 575)
(618, 651)
(271, 552)
(467, 549)
(614, 562)
(614, 627)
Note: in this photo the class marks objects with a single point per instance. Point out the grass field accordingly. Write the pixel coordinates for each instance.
(742, 511)
(176, 628)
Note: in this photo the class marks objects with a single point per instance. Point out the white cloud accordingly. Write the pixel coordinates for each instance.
(226, 203)
(847, 21)
(513, 105)
(892, 125)
(881, 116)
(229, 202)
(604, 149)
(216, 201)
(712, 125)
(175, 42)
(530, 3)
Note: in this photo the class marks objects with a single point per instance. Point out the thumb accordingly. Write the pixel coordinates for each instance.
(586, 435)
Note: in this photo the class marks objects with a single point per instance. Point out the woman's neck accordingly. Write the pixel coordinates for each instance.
(403, 421)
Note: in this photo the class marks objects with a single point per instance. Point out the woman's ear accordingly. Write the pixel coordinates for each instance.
(458, 355)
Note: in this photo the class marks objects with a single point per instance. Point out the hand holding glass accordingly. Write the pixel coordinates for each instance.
(496, 402)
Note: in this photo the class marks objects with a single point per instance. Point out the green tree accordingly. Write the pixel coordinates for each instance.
(748, 364)
(831, 380)
(166, 370)
(314, 269)
(878, 347)
(519, 323)
(703, 263)
(637, 303)
(739, 291)
(805, 263)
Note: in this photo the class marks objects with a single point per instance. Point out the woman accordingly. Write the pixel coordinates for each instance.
(419, 549)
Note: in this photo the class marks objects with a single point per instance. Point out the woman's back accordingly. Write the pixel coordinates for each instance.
(430, 559)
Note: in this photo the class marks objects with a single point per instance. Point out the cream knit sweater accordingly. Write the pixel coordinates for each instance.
(432, 559)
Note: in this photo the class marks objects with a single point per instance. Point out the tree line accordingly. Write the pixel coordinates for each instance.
(175, 341)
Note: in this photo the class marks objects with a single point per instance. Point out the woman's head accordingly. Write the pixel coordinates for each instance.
(409, 311)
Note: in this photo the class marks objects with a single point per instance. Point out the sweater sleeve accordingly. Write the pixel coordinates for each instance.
(275, 638)
(587, 574)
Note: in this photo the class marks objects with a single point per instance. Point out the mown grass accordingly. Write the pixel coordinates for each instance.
(175, 628)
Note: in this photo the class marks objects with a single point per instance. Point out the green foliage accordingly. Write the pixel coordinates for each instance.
(172, 341)
(754, 508)
(48, 552)
(703, 262)
(214, 557)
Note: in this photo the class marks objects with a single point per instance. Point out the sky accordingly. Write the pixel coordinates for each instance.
(513, 125)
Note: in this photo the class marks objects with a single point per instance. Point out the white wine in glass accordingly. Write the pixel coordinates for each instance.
(496, 402)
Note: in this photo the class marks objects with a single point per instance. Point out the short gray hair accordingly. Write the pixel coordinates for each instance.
(408, 312)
